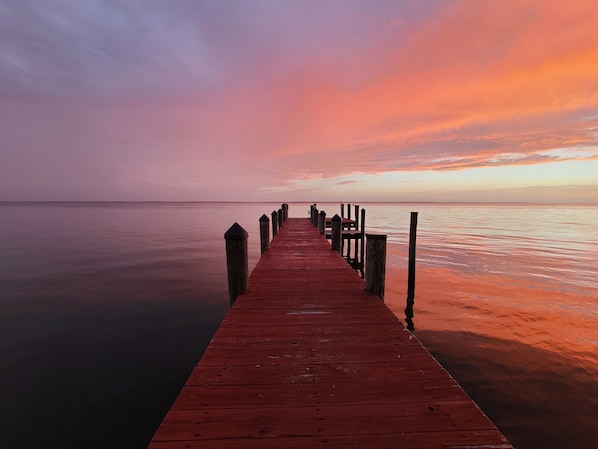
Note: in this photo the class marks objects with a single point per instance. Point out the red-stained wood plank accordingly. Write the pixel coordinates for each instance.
(307, 358)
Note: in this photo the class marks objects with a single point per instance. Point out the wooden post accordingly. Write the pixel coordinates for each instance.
(284, 215)
(264, 233)
(274, 223)
(280, 218)
(337, 233)
(285, 209)
(322, 222)
(236, 261)
(411, 276)
(342, 210)
(314, 216)
(362, 243)
(375, 265)
(356, 216)
(348, 226)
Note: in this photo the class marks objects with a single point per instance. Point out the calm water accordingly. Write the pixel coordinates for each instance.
(106, 308)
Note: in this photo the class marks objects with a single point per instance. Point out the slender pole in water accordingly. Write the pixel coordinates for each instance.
(274, 223)
(322, 222)
(280, 218)
(236, 261)
(264, 233)
(375, 265)
(348, 214)
(411, 277)
(362, 243)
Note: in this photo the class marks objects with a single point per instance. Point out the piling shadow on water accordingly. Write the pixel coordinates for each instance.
(537, 398)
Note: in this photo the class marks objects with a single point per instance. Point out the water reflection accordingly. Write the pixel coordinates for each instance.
(538, 398)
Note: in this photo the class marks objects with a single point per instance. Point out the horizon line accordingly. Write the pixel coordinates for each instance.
(307, 202)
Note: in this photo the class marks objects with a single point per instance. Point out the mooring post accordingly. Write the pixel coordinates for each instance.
(357, 216)
(314, 216)
(342, 210)
(280, 218)
(274, 223)
(322, 222)
(284, 215)
(285, 209)
(375, 264)
(337, 232)
(348, 215)
(264, 233)
(411, 275)
(362, 242)
(236, 261)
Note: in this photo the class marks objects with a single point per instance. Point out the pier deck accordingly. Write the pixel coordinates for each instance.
(307, 358)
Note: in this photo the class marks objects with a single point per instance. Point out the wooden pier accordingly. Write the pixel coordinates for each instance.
(307, 358)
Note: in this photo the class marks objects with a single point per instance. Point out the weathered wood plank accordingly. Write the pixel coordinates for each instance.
(322, 420)
(472, 439)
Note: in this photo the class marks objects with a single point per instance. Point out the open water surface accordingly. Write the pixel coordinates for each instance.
(105, 308)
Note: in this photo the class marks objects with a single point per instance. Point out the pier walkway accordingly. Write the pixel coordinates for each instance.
(306, 358)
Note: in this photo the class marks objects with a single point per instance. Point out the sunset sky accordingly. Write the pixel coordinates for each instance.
(311, 100)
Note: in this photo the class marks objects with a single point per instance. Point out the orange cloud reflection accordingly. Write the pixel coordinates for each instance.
(499, 307)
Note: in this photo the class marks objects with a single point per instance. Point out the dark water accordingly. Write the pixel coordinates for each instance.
(106, 308)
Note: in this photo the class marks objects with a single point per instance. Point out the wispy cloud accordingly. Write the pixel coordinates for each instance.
(187, 100)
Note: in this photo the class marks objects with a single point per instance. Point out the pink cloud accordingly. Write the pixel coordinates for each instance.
(269, 96)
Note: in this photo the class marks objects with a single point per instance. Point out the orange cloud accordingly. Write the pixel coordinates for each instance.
(479, 81)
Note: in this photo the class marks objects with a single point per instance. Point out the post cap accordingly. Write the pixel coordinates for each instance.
(322, 212)
(264, 218)
(236, 232)
(336, 218)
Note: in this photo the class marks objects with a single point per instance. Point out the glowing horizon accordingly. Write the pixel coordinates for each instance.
(253, 101)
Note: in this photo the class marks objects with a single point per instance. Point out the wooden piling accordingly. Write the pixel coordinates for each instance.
(411, 275)
(337, 233)
(286, 211)
(362, 240)
(375, 264)
(236, 261)
(264, 233)
(280, 218)
(274, 223)
(322, 222)
(314, 216)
